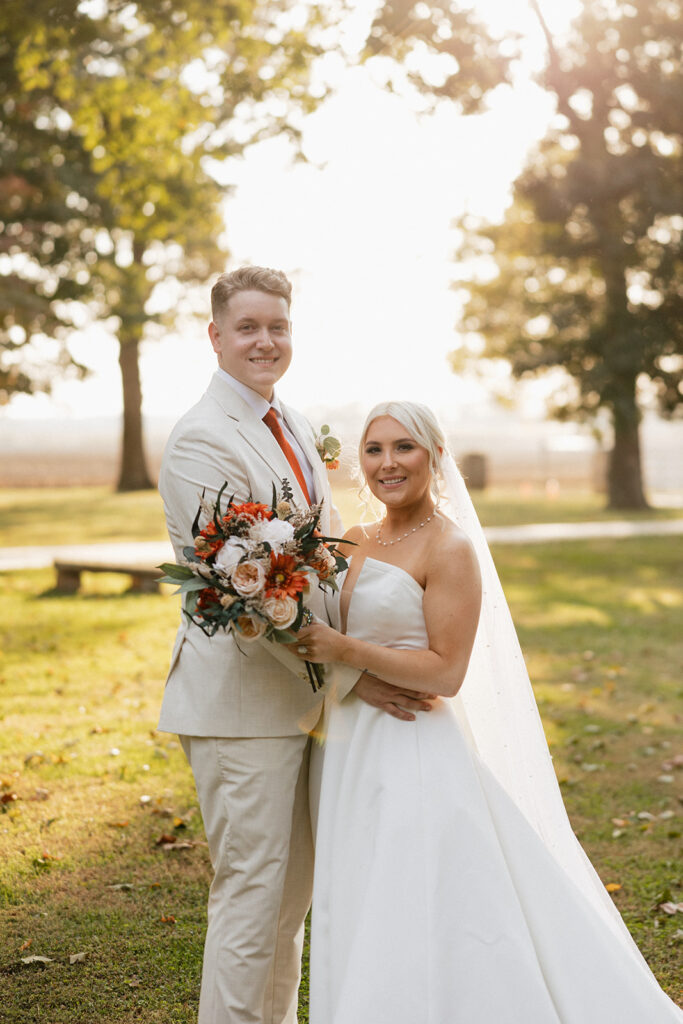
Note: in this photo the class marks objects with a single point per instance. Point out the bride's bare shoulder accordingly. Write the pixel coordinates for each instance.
(354, 538)
(451, 551)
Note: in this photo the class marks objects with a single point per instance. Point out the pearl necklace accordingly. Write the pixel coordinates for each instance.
(388, 543)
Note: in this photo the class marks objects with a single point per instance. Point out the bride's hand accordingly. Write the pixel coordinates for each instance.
(318, 643)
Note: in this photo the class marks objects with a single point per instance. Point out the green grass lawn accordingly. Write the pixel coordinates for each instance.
(90, 515)
(89, 789)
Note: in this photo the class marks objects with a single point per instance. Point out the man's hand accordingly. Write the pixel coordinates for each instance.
(397, 702)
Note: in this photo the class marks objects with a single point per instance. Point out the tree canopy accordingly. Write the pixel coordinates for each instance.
(110, 116)
(588, 272)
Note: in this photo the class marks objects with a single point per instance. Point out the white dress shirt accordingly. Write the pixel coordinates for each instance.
(261, 405)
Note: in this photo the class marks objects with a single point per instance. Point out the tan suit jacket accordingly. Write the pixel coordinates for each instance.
(213, 688)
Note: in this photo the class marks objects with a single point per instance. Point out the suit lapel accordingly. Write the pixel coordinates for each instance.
(258, 437)
(255, 434)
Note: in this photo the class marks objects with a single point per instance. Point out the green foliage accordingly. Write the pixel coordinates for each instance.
(110, 116)
(466, 62)
(588, 259)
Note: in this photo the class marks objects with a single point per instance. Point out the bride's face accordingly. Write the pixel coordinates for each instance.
(395, 466)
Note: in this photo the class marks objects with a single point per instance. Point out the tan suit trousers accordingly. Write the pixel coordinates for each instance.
(253, 795)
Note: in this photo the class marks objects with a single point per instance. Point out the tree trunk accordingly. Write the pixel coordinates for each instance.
(133, 474)
(624, 473)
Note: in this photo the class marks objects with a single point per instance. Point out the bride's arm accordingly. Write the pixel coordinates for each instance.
(451, 606)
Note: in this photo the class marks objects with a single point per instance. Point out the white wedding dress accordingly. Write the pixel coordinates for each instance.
(435, 902)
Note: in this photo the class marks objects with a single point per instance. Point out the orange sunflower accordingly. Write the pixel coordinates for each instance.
(207, 543)
(283, 579)
(255, 509)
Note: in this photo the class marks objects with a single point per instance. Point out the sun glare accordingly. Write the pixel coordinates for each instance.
(519, 16)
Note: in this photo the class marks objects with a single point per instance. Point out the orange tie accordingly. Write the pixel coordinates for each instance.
(273, 424)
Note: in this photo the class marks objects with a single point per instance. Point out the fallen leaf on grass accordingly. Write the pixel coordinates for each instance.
(163, 812)
(665, 778)
(35, 757)
(168, 919)
(44, 861)
(165, 838)
(673, 762)
(671, 908)
(41, 794)
(77, 958)
(118, 824)
(122, 886)
(613, 886)
(37, 960)
(25, 945)
(179, 823)
(8, 798)
(170, 842)
(133, 982)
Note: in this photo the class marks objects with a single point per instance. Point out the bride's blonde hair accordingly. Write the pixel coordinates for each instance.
(421, 424)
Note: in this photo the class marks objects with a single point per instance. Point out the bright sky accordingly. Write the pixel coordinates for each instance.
(364, 233)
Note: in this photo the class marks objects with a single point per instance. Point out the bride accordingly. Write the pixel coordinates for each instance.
(449, 886)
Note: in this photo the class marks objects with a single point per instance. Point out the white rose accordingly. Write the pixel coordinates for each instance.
(229, 555)
(273, 531)
(281, 611)
(248, 578)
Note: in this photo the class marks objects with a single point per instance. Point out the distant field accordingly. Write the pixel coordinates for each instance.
(90, 515)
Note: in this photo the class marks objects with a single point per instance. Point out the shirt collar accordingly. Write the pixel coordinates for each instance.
(258, 403)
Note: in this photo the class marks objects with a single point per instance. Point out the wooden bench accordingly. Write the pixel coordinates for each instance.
(144, 578)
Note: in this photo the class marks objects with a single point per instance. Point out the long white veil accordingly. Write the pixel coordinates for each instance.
(497, 709)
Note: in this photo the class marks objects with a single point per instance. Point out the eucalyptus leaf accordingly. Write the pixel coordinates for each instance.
(194, 584)
(175, 572)
(332, 446)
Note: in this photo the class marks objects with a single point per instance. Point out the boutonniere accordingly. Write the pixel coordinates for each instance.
(328, 448)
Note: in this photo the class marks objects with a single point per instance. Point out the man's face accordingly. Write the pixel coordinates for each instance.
(252, 339)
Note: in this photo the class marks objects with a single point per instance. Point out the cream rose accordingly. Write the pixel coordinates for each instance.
(248, 578)
(274, 531)
(249, 627)
(281, 611)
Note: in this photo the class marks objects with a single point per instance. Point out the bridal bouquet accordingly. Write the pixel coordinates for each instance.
(251, 567)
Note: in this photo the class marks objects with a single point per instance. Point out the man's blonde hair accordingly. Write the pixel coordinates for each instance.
(248, 279)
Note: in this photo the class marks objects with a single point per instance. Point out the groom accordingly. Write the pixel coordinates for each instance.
(238, 713)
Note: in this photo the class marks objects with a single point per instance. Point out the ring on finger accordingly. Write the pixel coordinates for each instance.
(302, 650)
